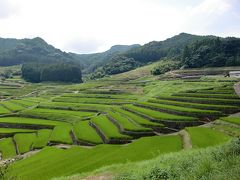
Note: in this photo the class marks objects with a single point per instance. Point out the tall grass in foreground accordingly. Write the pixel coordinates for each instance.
(222, 162)
(213, 163)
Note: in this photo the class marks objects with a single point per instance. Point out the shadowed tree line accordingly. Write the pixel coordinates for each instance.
(38, 72)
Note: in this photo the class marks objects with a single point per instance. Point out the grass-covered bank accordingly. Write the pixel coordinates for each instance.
(215, 163)
(52, 162)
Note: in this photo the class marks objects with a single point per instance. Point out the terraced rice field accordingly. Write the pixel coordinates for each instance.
(220, 101)
(10, 131)
(24, 141)
(108, 130)
(126, 124)
(7, 148)
(92, 100)
(12, 106)
(21, 122)
(4, 110)
(224, 108)
(202, 137)
(138, 119)
(58, 115)
(98, 114)
(234, 120)
(42, 138)
(75, 106)
(179, 110)
(78, 159)
(156, 115)
(86, 134)
(61, 135)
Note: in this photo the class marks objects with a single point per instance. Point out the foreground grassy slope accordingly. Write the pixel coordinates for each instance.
(77, 159)
(221, 162)
(235, 120)
(202, 137)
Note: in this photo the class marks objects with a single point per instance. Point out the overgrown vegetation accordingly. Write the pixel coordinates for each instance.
(35, 72)
(212, 163)
(212, 52)
(165, 66)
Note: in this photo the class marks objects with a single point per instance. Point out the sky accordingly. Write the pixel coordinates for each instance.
(88, 26)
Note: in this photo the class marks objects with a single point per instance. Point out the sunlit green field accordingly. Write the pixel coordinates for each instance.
(77, 128)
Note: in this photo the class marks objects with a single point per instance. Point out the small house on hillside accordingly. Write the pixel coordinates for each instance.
(234, 74)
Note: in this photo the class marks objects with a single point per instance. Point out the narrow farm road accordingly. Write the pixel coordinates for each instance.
(237, 88)
(187, 144)
(99, 177)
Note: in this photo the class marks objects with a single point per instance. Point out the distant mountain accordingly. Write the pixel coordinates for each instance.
(92, 61)
(171, 47)
(14, 52)
(189, 50)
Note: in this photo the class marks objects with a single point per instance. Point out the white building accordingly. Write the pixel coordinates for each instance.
(234, 74)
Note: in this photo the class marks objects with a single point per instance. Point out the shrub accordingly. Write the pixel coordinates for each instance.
(164, 67)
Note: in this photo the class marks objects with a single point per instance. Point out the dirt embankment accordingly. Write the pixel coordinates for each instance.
(187, 144)
(237, 88)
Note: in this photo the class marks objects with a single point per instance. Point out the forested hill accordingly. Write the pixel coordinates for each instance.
(187, 50)
(91, 62)
(14, 52)
(19, 51)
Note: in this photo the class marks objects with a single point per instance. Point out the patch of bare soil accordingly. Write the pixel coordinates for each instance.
(187, 144)
(237, 88)
(106, 176)
(100, 177)
(30, 153)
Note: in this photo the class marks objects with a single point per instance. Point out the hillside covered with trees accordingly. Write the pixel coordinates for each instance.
(188, 51)
(35, 72)
(15, 52)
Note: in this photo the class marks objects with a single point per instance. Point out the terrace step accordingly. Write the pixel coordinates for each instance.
(203, 115)
(24, 126)
(169, 124)
(202, 100)
(100, 133)
(135, 134)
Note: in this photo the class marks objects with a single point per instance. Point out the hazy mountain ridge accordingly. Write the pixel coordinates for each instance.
(92, 61)
(203, 51)
(14, 52)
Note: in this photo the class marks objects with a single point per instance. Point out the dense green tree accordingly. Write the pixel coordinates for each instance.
(213, 52)
(165, 66)
(35, 72)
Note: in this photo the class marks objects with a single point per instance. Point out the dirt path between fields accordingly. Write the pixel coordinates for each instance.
(237, 88)
(187, 144)
(98, 177)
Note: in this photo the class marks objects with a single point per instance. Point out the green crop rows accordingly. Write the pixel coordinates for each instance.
(24, 141)
(158, 115)
(76, 128)
(7, 148)
(108, 128)
(61, 134)
(125, 123)
(84, 132)
(60, 115)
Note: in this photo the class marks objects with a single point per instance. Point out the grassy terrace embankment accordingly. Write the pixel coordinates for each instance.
(104, 113)
(77, 159)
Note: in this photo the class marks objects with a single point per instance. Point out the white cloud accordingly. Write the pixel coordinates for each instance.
(6, 9)
(69, 24)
